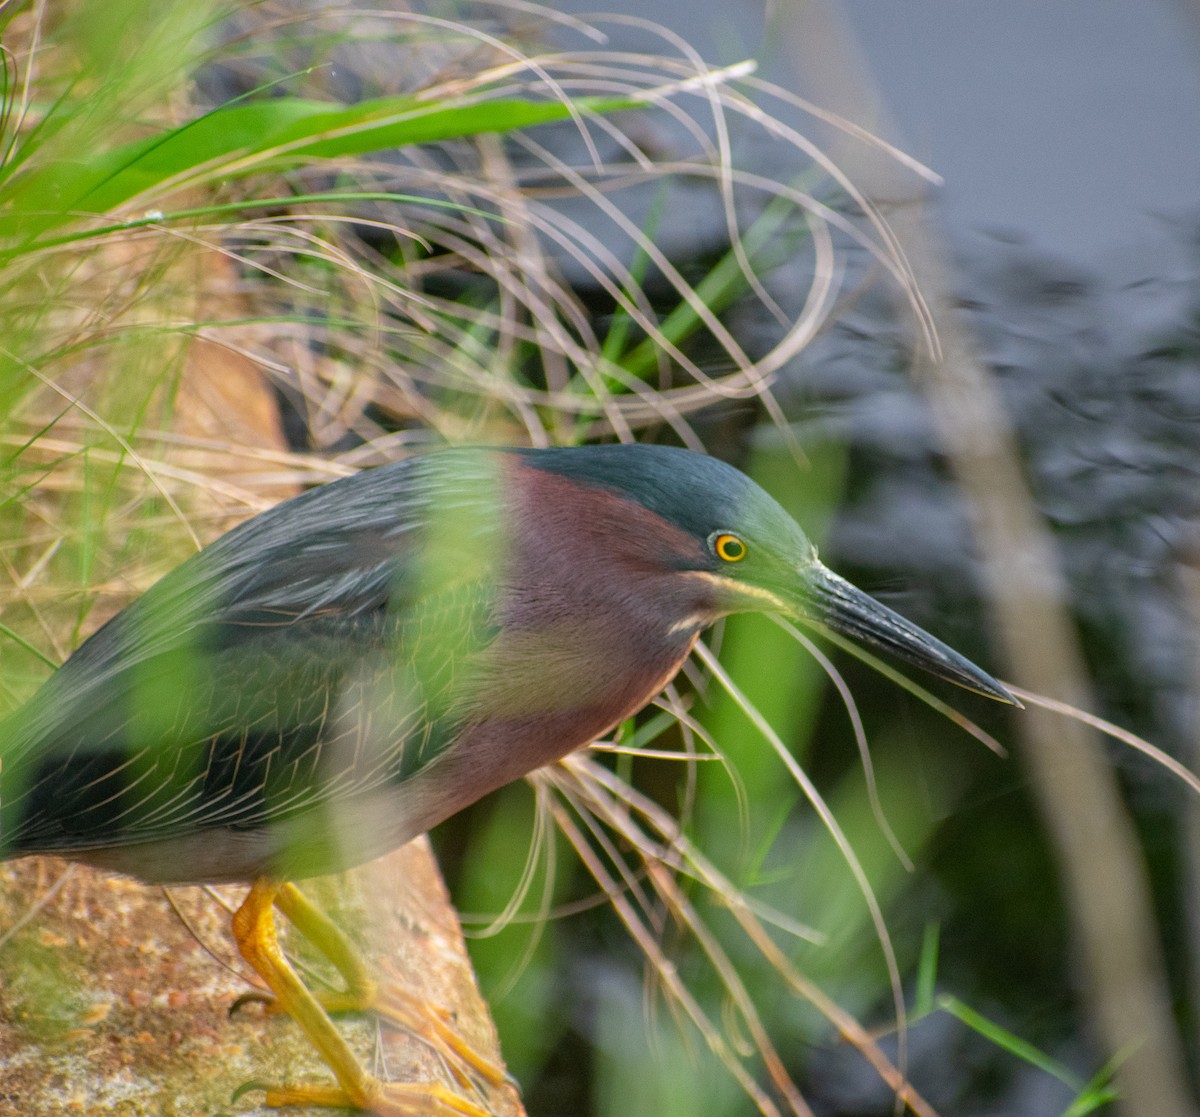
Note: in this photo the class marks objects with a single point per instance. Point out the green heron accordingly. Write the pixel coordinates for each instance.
(344, 671)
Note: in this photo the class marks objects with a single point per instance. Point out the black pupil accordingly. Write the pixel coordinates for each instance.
(732, 548)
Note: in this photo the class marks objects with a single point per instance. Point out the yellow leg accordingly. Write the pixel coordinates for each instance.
(361, 991)
(394, 1005)
(254, 930)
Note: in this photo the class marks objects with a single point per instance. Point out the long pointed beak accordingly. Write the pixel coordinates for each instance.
(833, 602)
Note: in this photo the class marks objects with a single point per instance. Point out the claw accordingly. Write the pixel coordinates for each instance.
(434, 1025)
(248, 1088)
(253, 998)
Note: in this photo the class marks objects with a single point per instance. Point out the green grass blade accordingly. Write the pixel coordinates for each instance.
(1097, 1093)
(927, 972)
(21, 642)
(1005, 1040)
(254, 133)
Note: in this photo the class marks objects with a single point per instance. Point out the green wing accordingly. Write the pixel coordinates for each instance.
(283, 668)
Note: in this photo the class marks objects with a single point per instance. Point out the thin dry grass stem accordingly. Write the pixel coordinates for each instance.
(848, 1027)
(17, 119)
(893, 256)
(613, 800)
(779, 93)
(860, 737)
(649, 754)
(556, 322)
(541, 852)
(1182, 773)
(690, 727)
(565, 910)
(652, 82)
(305, 245)
(611, 811)
(200, 939)
(731, 101)
(706, 81)
(513, 242)
(532, 303)
(34, 908)
(604, 267)
(583, 26)
(693, 735)
(802, 780)
(843, 124)
(548, 295)
(160, 471)
(678, 853)
(523, 61)
(684, 912)
(64, 313)
(222, 334)
(25, 596)
(151, 474)
(663, 967)
(293, 468)
(666, 266)
(609, 800)
(530, 264)
(524, 400)
(915, 689)
(597, 819)
(624, 413)
(476, 246)
(817, 299)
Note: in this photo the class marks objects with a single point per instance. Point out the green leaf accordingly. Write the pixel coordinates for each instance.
(926, 972)
(1096, 1094)
(1006, 1041)
(246, 137)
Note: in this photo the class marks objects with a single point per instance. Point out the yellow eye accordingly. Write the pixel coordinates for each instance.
(729, 547)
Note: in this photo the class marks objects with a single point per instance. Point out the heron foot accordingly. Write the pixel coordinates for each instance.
(389, 1001)
(395, 1007)
(383, 1099)
(254, 931)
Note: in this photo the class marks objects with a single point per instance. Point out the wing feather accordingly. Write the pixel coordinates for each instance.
(310, 656)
